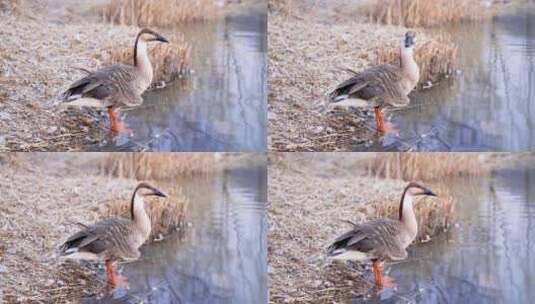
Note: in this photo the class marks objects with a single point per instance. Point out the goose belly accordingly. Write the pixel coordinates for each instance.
(351, 255)
(353, 103)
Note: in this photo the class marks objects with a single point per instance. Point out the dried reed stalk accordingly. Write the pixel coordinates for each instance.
(158, 12)
(424, 13)
(160, 166)
(425, 166)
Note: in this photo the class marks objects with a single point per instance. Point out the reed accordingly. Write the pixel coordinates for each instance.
(424, 13)
(436, 58)
(166, 215)
(160, 166)
(169, 61)
(425, 166)
(158, 12)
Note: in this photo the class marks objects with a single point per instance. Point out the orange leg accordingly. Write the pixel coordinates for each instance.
(115, 126)
(114, 280)
(378, 274)
(379, 120)
(383, 128)
(109, 274)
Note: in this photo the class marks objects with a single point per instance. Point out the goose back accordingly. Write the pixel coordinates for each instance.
(379, 239)
(379, 85)
(116, 85)
(112, 239)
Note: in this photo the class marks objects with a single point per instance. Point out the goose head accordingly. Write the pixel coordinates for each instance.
(148, 35)
(416, 189)
(408, 40)
(145, 189)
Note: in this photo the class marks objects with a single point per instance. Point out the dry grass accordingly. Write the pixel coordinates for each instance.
(424, 13)
(160, 166)
(435, 58)
(166, 215)
(169, 61)
(425, 166)
(281, 6)
(158, 12)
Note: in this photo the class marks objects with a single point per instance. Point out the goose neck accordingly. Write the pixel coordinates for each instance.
(142, 61)
(139, 215)
(407, 215)
(409, 67)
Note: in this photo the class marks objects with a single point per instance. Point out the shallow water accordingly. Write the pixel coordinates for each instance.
(221, 106)
(486, 258)
(221, 258)
(489, 106)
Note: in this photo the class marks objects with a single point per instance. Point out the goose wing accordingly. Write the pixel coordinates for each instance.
(379, 239)
(104, 238)
(379, 82)
(112, 85)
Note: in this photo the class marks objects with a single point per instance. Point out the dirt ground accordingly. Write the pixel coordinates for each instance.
(310, 197)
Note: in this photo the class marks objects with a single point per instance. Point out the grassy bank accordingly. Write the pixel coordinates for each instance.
(311, 196)
(66, 189)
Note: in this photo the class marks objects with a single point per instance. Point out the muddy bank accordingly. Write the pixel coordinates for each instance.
(43, 199)
(310, 198)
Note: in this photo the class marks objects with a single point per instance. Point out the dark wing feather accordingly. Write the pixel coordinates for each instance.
(95, 238)
(370, 84)
(109, 82)
(378, 237)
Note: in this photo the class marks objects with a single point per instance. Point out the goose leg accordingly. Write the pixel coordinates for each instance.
(377, 273)
(379, 120)
(114, 280)
(383, 127)
(115, 126)
(380, 280)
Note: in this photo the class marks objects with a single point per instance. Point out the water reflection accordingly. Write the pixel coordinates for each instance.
(222, 258)
(222, 106)
(488, 258)
(489, 106)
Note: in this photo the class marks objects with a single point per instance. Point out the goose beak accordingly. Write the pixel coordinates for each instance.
(160, 193)
(161, 39)
(429, 192)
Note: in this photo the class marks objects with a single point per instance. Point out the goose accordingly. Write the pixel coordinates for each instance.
(381, 239)
(381, 86)
(115, 239)
(116, 86)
